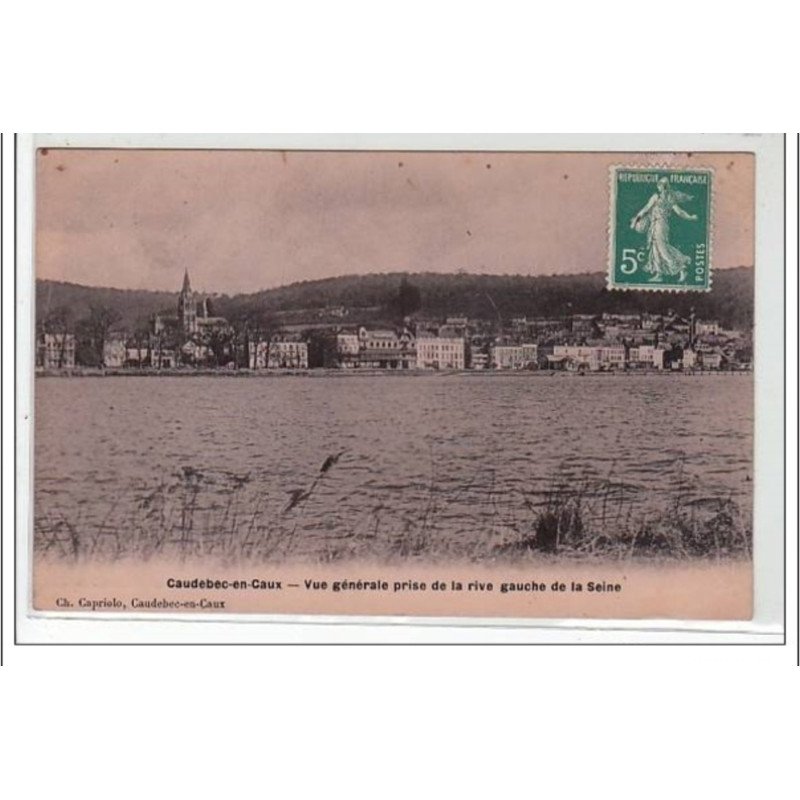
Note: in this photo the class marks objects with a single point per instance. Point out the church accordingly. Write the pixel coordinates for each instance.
(192, 336)
(194, 313)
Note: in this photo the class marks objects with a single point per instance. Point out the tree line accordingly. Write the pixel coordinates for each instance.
(91, 332)
(435, 295)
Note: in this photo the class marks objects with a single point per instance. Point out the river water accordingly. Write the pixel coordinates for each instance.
(451, 464)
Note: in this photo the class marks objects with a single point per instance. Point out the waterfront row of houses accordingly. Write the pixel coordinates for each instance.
(195, 337)
(399, 350)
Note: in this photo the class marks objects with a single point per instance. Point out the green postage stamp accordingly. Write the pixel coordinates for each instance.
(660, 229)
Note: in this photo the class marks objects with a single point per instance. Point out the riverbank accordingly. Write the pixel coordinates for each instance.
(88, 372)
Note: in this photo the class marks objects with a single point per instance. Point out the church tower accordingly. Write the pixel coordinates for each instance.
(187, 307)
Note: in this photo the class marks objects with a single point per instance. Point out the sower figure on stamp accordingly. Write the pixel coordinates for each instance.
(663, 259)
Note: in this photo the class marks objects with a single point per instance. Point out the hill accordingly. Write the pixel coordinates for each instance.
(373, 297)
(131, 306)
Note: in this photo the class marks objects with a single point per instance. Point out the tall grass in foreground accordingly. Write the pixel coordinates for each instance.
(581, 520)
(231, 517)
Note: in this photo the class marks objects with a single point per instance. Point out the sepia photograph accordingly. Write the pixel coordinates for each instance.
(513, 384)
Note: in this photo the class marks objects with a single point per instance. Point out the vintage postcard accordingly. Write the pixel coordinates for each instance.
(500, 384)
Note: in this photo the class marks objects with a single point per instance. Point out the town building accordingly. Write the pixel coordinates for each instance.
(348, 350)
(712, 360)
(137, 355)
(583, 324)
(367, 348)
(611, 357)
(631, 320)
(650, 322)
(506, 356)
(55, 350)
(448, 331)
(163, 357)
(576, 356)
(542, 325)
(674, 323)
(387, 349)
(114, 351)
(437, 352)
(341, 349)
(591, 357)
(279, 353)
(646, 356)
(530, 355)
(514, 356)
(711, 327)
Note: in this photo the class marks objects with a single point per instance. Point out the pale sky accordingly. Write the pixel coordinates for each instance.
(241, 221)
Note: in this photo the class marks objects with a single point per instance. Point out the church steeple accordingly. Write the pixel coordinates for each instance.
(187, 306)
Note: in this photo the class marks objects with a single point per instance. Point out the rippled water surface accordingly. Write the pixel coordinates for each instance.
(457, 459)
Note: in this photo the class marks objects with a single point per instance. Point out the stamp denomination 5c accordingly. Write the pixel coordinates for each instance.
(660, 229)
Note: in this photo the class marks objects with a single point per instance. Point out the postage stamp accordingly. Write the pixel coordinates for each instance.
(660, 229)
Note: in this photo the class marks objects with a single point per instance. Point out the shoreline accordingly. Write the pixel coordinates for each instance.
(88, 372)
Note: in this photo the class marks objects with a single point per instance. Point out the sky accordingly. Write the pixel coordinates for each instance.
(242, 221)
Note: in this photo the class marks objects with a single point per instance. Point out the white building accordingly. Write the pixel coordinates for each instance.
(342, 351)
(704, 328)
(646, 356)
(279, 354)
(592, 358)
(435, 352)
(611, 357)
(386, 349)
(514, 356)
(347, 344)
(55, 350)
(114, 352)
(689, 358)
(137, 356)
(506, 356)
(163, 357)
(530, 355)
(711, 360)
(579, 356)
(285, 354)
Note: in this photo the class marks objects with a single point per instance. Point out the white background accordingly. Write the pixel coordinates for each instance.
(420, 721)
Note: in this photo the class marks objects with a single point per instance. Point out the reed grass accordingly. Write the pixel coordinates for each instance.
(231, 517)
